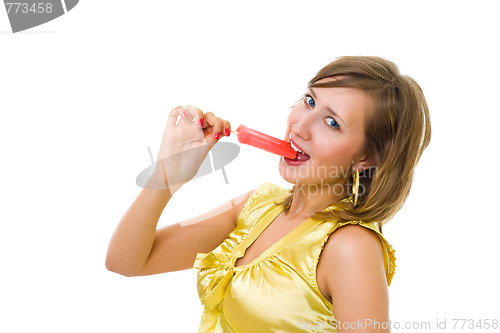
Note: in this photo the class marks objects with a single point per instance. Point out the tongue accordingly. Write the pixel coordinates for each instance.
(302, 157)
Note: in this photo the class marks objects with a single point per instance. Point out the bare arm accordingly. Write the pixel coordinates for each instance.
(133, 238)
(353, 275)
(138, 248)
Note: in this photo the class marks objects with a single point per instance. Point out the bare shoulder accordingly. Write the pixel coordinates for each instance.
(352, 249)
(351, 273)
(353, 241)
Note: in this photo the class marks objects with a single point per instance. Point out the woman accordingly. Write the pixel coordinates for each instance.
(312, 258)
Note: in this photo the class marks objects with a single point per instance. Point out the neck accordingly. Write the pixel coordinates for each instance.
(311, 198)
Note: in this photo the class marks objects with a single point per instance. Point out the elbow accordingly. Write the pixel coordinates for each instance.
(112, 267)
(118, 269)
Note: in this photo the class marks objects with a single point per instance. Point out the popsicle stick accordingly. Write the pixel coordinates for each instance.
(234, 132)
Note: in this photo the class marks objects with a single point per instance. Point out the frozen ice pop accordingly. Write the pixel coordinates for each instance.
(266, 142)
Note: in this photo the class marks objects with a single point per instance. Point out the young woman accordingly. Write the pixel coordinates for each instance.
(312, 258)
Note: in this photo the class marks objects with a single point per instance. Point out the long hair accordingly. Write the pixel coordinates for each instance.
(397, 131)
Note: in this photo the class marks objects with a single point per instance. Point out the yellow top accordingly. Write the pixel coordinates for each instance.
(277, 291)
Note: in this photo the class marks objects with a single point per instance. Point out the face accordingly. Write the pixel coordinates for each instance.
(328, 126)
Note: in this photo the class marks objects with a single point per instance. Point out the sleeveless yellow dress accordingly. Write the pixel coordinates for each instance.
(277, 291)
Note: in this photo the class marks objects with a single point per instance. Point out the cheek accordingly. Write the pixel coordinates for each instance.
(340, 152)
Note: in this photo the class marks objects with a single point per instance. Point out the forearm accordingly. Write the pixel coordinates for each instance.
(134, 236)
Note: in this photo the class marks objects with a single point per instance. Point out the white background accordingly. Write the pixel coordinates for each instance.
(84, 96)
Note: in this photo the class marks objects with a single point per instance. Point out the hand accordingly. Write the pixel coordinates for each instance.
(185, 144)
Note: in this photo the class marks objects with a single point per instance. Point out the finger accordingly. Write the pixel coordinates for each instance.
(173, 115)
(226, 127)
(215, 123)
(187, 115)
(198, 115)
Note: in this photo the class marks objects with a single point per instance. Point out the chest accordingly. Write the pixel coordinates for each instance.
(275, 278)
(274, 232)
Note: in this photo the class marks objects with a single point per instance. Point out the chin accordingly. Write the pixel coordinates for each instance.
(288, 175)
(294, 174)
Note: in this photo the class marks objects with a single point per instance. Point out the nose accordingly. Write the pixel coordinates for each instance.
(302, 128)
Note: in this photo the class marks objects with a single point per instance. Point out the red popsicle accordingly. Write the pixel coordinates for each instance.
(266, 142)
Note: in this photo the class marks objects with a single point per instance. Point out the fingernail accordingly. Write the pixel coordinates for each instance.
(227, 132)
(200, 125)
(185, 113)
(217, 136)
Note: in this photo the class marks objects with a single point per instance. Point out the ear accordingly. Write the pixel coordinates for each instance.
(368, 160)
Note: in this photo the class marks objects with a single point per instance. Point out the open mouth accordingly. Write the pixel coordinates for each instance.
(301, 156)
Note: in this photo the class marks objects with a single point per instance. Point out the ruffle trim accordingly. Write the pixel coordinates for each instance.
(256, 197)
(313, 269)
(392, 260)
(268, 188)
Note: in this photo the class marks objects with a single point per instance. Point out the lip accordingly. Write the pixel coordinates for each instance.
(298, 146)
(291, 162)
(299, 160)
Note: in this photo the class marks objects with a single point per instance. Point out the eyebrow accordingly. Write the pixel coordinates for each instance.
(327, 107)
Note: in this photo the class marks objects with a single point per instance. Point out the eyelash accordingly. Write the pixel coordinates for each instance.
(330, 117)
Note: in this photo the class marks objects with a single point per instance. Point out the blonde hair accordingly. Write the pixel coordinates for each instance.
(397, 132)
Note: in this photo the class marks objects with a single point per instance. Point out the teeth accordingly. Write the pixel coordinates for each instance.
(295, 148)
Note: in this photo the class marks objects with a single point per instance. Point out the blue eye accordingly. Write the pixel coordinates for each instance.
(332, 123)
(309, 101)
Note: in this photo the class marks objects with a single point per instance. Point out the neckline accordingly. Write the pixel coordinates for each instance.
(291, 236)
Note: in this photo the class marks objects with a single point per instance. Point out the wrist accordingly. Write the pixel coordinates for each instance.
(159, 180)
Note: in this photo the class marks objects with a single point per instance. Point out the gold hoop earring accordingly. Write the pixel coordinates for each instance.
(355, 187)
